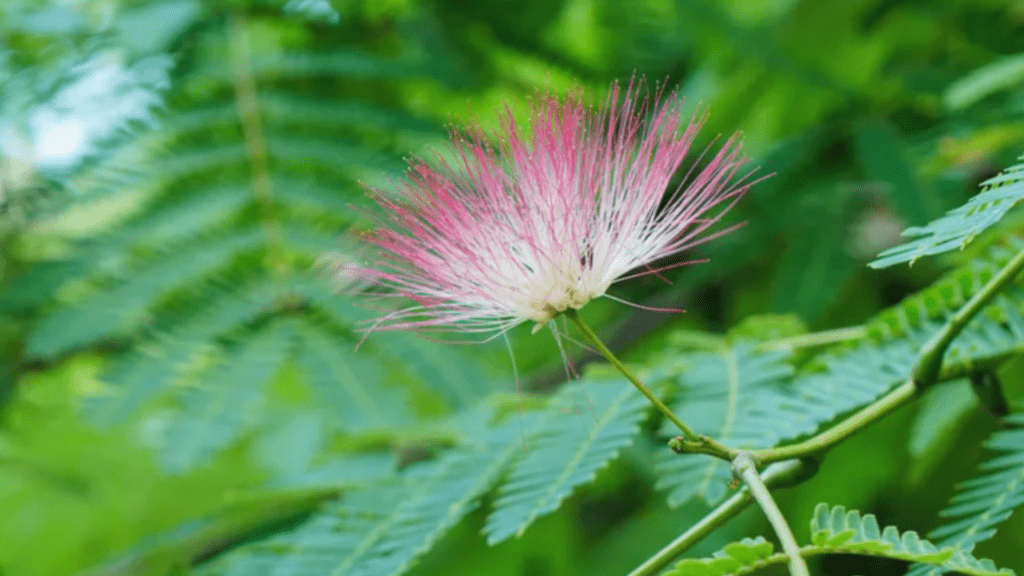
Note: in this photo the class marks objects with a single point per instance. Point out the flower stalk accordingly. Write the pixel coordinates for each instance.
(594, 340)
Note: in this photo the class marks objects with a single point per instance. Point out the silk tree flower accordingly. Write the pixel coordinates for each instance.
(527, 223)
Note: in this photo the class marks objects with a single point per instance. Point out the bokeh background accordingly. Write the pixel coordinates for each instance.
(176, 182)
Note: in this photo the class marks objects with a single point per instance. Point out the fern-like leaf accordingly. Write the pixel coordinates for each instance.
(838, 531)
(720, 392)
(382, 530)
(216, 245)
(774, 408)
(961, 225)
(119, 310)
(160, 363)
(567, 452)
(740, 557)
(350, 383)
(984, 502)
(214, 415)
(752, 401)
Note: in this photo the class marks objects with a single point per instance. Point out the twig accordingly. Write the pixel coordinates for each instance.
(777, 475)
(745, 468)
(927, 372)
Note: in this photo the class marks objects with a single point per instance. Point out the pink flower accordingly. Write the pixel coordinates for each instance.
(526, 225)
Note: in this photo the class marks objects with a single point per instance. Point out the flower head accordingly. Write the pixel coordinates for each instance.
(529, 224)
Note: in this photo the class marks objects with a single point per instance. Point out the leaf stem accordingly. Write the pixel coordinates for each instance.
(841, 431)
(778, 475)
(591, 337)
(929, 363)
(255, 139)
(926, 372)
(744, 467)
(815, 339)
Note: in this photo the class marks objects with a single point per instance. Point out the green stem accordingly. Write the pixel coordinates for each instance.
(608, 355)
(257, 152)
(862, 418)
(927, 371)
(929, 364)
(816, 339)
(778, 475)
(841, 431)
(745, 468)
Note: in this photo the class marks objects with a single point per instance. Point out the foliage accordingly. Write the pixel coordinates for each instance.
(207, 283)
(729, 396)
(986, 501)
(962, 224)
(382, 529)
(751, 398)
(182, 354)
(838, 531)
(756, 399)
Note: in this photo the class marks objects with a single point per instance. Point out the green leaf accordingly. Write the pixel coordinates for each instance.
(451, 371)
(960, 225)
(289, 107)
(158, 364)
(228, 404)
(984, 502)
(721, 395)
(382, 530)
(838, 531)
(1002, 74)
(350, 384)
(174, 218)
(119, 310)
(747, 398)
(567, 453)
(736, 558)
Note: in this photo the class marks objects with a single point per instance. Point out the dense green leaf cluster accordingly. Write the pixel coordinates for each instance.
(381, 529)
(741, 396)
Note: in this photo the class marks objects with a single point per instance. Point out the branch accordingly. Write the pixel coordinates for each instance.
(841, 431)
(777, 475)
(927, 371)
(745, 468)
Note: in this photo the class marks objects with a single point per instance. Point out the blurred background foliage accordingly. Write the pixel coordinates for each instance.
(176, 180)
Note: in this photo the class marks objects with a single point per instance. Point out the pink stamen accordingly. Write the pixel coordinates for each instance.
(523, 224)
